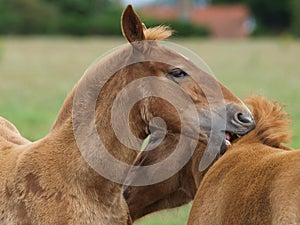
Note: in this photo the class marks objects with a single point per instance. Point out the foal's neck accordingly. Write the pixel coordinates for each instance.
(64, 124)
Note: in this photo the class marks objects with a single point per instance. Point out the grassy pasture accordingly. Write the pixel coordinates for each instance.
(37, 73)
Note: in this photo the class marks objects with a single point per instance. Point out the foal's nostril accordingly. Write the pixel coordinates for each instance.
(244, 119)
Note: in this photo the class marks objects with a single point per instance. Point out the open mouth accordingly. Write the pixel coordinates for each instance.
(229, 138)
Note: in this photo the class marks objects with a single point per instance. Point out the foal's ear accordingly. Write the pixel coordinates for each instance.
(132, 27)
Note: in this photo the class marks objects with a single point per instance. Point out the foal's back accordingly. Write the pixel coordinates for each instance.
(257, 181)
(254, 185)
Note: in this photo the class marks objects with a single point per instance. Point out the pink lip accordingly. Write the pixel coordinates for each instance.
(228, 137)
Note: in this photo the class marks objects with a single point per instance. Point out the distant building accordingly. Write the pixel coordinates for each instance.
(224, 21)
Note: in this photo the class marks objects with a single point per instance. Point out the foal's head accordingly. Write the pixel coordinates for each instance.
(172, 86)
(148, 88)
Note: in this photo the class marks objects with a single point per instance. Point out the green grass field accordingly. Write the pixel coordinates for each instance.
(38, 72)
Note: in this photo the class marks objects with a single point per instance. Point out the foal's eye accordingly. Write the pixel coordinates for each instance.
(177, 73)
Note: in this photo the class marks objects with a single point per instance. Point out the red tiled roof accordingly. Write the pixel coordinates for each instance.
(222, 20)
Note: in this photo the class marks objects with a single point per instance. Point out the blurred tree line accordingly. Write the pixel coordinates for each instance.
(75, 17)
(84, 17)
(273, 16)
(60, 16)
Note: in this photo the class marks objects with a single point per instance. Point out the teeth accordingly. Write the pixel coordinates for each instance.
(228, 136)
(228, 143)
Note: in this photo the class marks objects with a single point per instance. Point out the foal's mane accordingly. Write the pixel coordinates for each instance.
(272, 124)
(158, 33)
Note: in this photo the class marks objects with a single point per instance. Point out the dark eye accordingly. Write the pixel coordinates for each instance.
(178, 73)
